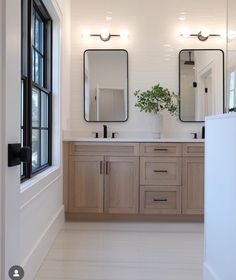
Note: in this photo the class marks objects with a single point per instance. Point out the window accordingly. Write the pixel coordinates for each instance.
(36, 86)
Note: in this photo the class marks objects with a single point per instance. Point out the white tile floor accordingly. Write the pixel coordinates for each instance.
(126, 251)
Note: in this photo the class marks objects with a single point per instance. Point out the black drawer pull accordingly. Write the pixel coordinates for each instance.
(160, 199)
(160, 171)
(160, 149)
(107, 168)
(101, 167)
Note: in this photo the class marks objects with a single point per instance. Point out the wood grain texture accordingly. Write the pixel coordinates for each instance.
(193, 185)
(193, 149)
(122, 185)
(160, 200)
(125, 251)
(160, 171)
(113, 149)
(86, 184)
(161, 149)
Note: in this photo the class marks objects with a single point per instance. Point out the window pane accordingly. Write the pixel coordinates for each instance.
(39, 30)
(35, 108)
(44, 109)
(33, 24)
(44, 147)
(35, 149)
(41, 67)
(36, 67)
(36, 33)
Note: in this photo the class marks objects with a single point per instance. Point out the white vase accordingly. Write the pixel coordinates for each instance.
(158, 126)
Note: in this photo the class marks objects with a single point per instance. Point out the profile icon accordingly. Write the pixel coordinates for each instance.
(16, 272)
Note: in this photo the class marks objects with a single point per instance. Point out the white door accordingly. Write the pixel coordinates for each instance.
(10, 132)
(1, 108)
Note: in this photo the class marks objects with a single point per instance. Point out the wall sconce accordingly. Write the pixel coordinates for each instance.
(105, 35)
(202, 35)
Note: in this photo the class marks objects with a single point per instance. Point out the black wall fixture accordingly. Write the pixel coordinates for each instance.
(18, 154)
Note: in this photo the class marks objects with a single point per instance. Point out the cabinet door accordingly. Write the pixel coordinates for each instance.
(122, 185)
(86, 184)
(193, 185)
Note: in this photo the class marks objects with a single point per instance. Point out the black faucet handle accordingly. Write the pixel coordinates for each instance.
(113, 135)
(194, 135)
(104, 131)
(95, 134)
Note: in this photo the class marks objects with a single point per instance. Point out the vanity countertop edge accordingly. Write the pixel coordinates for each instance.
(133, 140)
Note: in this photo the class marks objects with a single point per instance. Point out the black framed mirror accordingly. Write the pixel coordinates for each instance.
(106, 85)
(201, 84)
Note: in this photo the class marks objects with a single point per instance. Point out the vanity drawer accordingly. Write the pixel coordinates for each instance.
(109, 149)
(196, 149)
(160, 200)
(160, 171)
(160, 149)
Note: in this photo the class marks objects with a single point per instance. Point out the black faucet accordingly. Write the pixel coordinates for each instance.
(104, 131)
(203, 132)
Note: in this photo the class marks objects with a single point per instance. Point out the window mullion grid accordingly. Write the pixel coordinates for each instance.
(29, 83)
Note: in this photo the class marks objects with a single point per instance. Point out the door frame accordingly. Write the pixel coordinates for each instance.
(1, 129)
(10, 131)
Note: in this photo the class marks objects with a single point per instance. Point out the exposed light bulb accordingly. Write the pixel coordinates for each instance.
(186, 33)
(124, 34)
(205, 32)
(182, 18)
(105, 35)
(85, 34)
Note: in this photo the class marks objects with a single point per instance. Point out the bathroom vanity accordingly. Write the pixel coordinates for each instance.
(107, 178)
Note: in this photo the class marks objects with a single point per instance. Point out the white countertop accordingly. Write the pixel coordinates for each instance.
(139, 140)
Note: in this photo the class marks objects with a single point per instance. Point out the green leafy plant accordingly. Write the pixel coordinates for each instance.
(156, 100)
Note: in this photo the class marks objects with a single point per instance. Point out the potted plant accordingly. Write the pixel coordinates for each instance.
(157, 100)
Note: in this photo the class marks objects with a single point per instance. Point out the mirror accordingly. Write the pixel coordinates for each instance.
(201, 84)
(106, 85)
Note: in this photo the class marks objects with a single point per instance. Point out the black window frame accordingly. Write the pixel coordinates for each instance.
(29, 7)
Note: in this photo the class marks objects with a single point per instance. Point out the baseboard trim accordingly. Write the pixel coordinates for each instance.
(33, 261)
(209, 273)
(134, 217)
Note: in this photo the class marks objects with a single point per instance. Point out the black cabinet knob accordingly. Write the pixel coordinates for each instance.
(18, 154)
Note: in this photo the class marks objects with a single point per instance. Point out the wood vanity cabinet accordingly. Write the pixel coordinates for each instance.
(193, 179)
(121, 185)
(160, 178)
(86, 184)
(101, 178)
(134, 178)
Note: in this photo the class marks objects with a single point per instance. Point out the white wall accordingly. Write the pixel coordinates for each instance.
(1, 128)
(153, 48)
(220, 193)
(65, 61)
